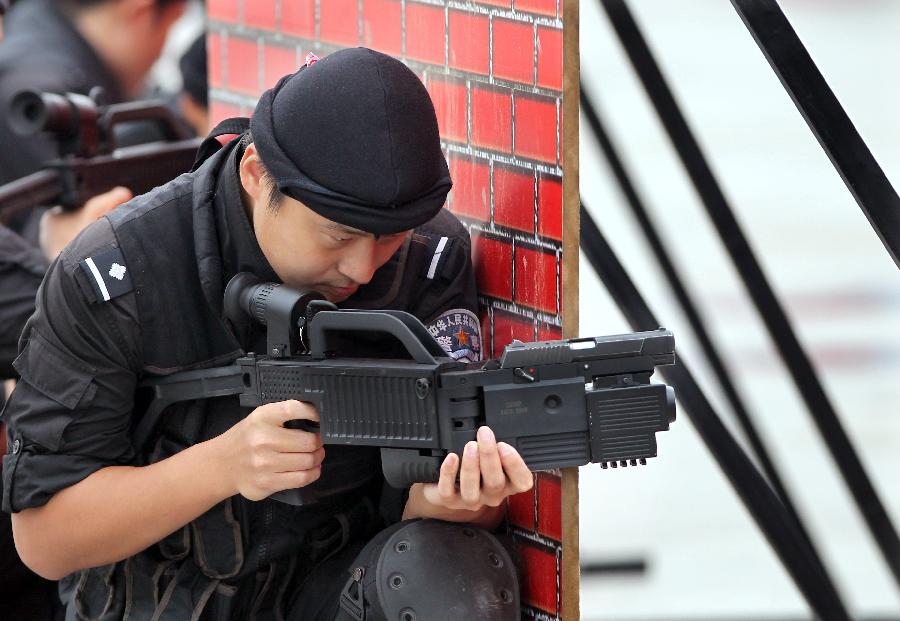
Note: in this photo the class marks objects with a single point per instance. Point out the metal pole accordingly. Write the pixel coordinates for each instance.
(770, 310)
(762, 503)
(694, 318)
(826, 118)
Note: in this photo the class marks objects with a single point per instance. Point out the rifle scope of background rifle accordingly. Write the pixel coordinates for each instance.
(89, 161)
(379, 379)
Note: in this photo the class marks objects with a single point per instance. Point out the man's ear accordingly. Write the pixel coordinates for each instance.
(251, 173)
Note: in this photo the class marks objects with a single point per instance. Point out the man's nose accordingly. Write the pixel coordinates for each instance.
(360, 263)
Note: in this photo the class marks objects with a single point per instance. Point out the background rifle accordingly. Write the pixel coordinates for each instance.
(378, 378)
(89, 161)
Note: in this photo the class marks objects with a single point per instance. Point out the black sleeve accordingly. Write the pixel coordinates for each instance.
(447, 302)
(21, 271)
(70, 414)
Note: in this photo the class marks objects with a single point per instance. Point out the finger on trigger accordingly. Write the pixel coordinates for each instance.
(447, 480)
(470, 474)
(489, 458)
(515, 467)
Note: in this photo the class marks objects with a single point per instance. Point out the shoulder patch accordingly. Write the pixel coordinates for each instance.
(439, 248)
(459, 332)
(108, 274)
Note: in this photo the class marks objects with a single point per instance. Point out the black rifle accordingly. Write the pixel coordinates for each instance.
(378, 378)
(89, 161)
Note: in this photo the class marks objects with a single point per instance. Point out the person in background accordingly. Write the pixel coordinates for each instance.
(74, 46)
(193, 100)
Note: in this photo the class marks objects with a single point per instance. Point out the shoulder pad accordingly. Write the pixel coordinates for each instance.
(108, 274)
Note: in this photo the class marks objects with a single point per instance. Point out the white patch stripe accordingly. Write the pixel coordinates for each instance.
(98, 278)
(436, 258)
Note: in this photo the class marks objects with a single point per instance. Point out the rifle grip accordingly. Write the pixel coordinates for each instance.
(403, 467)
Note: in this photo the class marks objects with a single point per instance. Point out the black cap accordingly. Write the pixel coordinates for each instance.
(354, 137)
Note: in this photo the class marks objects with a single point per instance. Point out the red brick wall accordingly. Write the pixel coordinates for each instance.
(494, 71)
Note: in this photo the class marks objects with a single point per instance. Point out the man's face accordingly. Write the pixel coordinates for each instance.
(308, 251)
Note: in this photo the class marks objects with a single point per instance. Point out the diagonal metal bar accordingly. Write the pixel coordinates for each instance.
(698, 325)
(826, 118)
(768, 306)
(759, 499)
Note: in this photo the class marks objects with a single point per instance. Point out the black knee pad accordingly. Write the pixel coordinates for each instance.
(429, 570)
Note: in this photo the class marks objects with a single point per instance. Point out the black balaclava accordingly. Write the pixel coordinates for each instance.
(354, 137)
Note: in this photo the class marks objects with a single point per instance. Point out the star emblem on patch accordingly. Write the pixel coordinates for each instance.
(458, 331)
(117, 271)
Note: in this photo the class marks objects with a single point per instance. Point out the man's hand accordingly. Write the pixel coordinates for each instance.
(490, 472)
(59, 227)
(262, 456)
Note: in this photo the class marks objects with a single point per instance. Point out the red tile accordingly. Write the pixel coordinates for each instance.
(486, 332)
(298, 17)
(469, 42)
(508, 327)
(520, 511)
(339, 21)
(242, 65)
(506, 4)
(549, 57)
(536, 279)
(542, 7)
(549, 333)
(214, 60)
(493, 267)
(425, 33)
(449, 98)
(513, 50)
(492, 118)
(260, 14)
(219, 111)
(536, 128)
(514, 198)
(549, 508)
(382, 26)
(223, 10)
(538, 579)
(471, 193)
(277, 63)
(550, 207)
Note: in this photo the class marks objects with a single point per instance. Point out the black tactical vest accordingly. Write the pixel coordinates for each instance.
(239, 559)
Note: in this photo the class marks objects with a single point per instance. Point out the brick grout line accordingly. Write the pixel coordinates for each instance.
(360, 35)
(317, 18)
(522, 312)
(403, 30)
(223, 58)
(490, 50)
(545, 544)
(446, 38)
(536, 207)
(492, 221)
(558, 282)
(559, 553)
(260, 63)
(509, 160)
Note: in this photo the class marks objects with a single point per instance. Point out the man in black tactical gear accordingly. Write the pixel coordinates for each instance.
(338, 186)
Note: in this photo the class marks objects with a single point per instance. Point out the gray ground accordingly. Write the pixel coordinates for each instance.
(842, 291)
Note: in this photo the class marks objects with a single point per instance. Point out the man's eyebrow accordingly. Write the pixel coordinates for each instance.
(335, 226)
